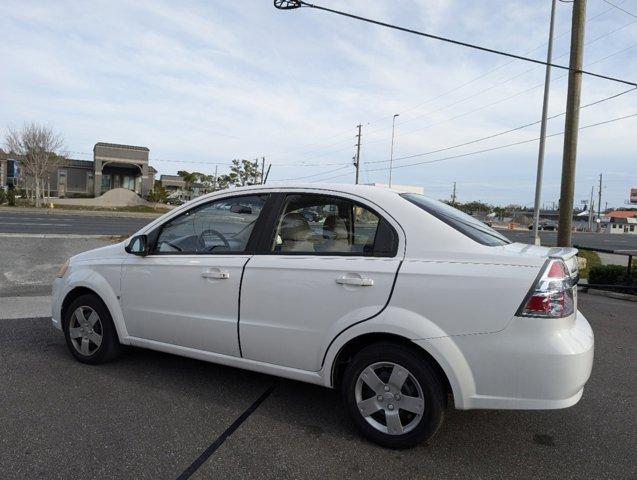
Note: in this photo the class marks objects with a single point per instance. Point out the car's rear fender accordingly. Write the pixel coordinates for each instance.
(409, 325)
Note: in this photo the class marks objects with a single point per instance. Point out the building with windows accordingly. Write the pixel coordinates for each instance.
(622, 221)
(113, 166)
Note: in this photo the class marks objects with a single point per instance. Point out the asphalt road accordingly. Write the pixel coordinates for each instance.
(14, 221)
(585, 239)
(151, 415)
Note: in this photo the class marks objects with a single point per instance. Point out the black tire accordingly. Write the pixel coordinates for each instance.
(109, 347)
(430, 385)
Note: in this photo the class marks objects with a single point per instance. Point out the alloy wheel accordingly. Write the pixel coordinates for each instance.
(389, 398)
(85, 330)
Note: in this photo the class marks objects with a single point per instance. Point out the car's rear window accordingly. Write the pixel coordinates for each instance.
(465, 224)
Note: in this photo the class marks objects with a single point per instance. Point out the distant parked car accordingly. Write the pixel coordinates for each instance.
(396, 299)
(549, 226)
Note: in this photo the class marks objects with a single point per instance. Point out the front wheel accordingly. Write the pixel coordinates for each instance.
(89, 330)
(393, 395)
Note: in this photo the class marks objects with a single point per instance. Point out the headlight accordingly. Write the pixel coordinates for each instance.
(63, 269)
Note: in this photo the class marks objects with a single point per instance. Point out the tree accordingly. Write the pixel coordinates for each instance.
(158, 194)
(242, 173)
(41, 150)
(189, 178)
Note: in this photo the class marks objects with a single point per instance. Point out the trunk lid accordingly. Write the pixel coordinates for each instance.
(567, 254)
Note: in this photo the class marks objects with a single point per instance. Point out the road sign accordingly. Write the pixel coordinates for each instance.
(633, 195)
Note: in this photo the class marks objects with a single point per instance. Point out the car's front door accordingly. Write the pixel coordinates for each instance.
(186, 291)
(329, 262)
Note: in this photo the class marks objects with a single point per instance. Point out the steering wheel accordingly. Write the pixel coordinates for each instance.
(216, 233)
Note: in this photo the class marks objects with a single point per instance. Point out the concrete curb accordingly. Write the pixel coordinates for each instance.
(92, 213)
(615, 295)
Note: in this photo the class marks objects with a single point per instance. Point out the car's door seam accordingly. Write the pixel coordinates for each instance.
(391, 292)
(239, 307)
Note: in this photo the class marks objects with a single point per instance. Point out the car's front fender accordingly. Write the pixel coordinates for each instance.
(104, 281)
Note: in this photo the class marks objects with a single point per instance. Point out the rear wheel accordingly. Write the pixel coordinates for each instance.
(393, 395)
(89, 330)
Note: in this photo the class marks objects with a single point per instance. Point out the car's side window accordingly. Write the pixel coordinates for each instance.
(327, 225)
(220, 226)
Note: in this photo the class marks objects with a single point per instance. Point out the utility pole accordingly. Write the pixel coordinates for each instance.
(545, 107)
(590, 211)
(453, 195)
(391, 156)
(571, 124)
(357, 159)
(599, 204)
(262, 169)
(214, 185)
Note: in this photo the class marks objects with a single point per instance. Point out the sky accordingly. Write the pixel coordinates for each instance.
(201, 83)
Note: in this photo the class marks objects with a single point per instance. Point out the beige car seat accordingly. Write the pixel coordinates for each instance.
(296, 234)
(335, 234)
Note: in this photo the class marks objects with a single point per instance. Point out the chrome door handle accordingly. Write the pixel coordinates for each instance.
(215, 274)
(360, 281)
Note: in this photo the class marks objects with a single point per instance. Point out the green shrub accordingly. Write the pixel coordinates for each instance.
(612, 275)
(3, 196)
(11, 197)
(592, 260)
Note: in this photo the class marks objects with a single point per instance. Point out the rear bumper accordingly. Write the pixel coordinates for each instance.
(526, 366)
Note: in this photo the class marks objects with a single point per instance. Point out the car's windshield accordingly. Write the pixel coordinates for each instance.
(465, 224)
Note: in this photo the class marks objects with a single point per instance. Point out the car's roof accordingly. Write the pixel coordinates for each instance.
(367, 191)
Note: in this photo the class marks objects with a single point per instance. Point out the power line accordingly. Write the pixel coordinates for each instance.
(499, 147)
(300, 3)
(317, 174)
(459, 87)
(620, 8)
(506, 145)
(469, 112)
(482, 107)
(488, 137)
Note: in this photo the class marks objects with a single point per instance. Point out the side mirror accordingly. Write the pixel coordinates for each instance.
(138, 246)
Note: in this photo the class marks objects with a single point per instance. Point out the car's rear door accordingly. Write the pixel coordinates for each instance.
(329, 261)
(186, 292)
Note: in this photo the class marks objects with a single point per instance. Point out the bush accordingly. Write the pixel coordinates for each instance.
(3, 196)
(612, 275)
(592, 260)
(11, 197)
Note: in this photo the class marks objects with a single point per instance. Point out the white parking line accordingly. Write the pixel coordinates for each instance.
(38, 224)
(61, 235)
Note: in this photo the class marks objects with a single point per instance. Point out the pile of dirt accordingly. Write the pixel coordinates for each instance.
(117, 197)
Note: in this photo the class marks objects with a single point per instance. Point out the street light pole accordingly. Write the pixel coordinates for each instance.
(391, 156)
(540, 156)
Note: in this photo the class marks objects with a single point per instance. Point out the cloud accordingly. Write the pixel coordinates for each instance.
(211, 81)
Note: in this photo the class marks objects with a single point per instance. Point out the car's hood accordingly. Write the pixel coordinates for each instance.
(109, 251)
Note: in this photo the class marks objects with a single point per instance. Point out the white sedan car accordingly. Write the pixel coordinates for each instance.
(397, 299)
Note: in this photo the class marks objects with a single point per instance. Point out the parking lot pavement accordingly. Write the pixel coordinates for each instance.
(28, 264)
(151, 415)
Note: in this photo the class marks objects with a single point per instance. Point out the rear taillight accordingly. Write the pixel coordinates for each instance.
(552, 294)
